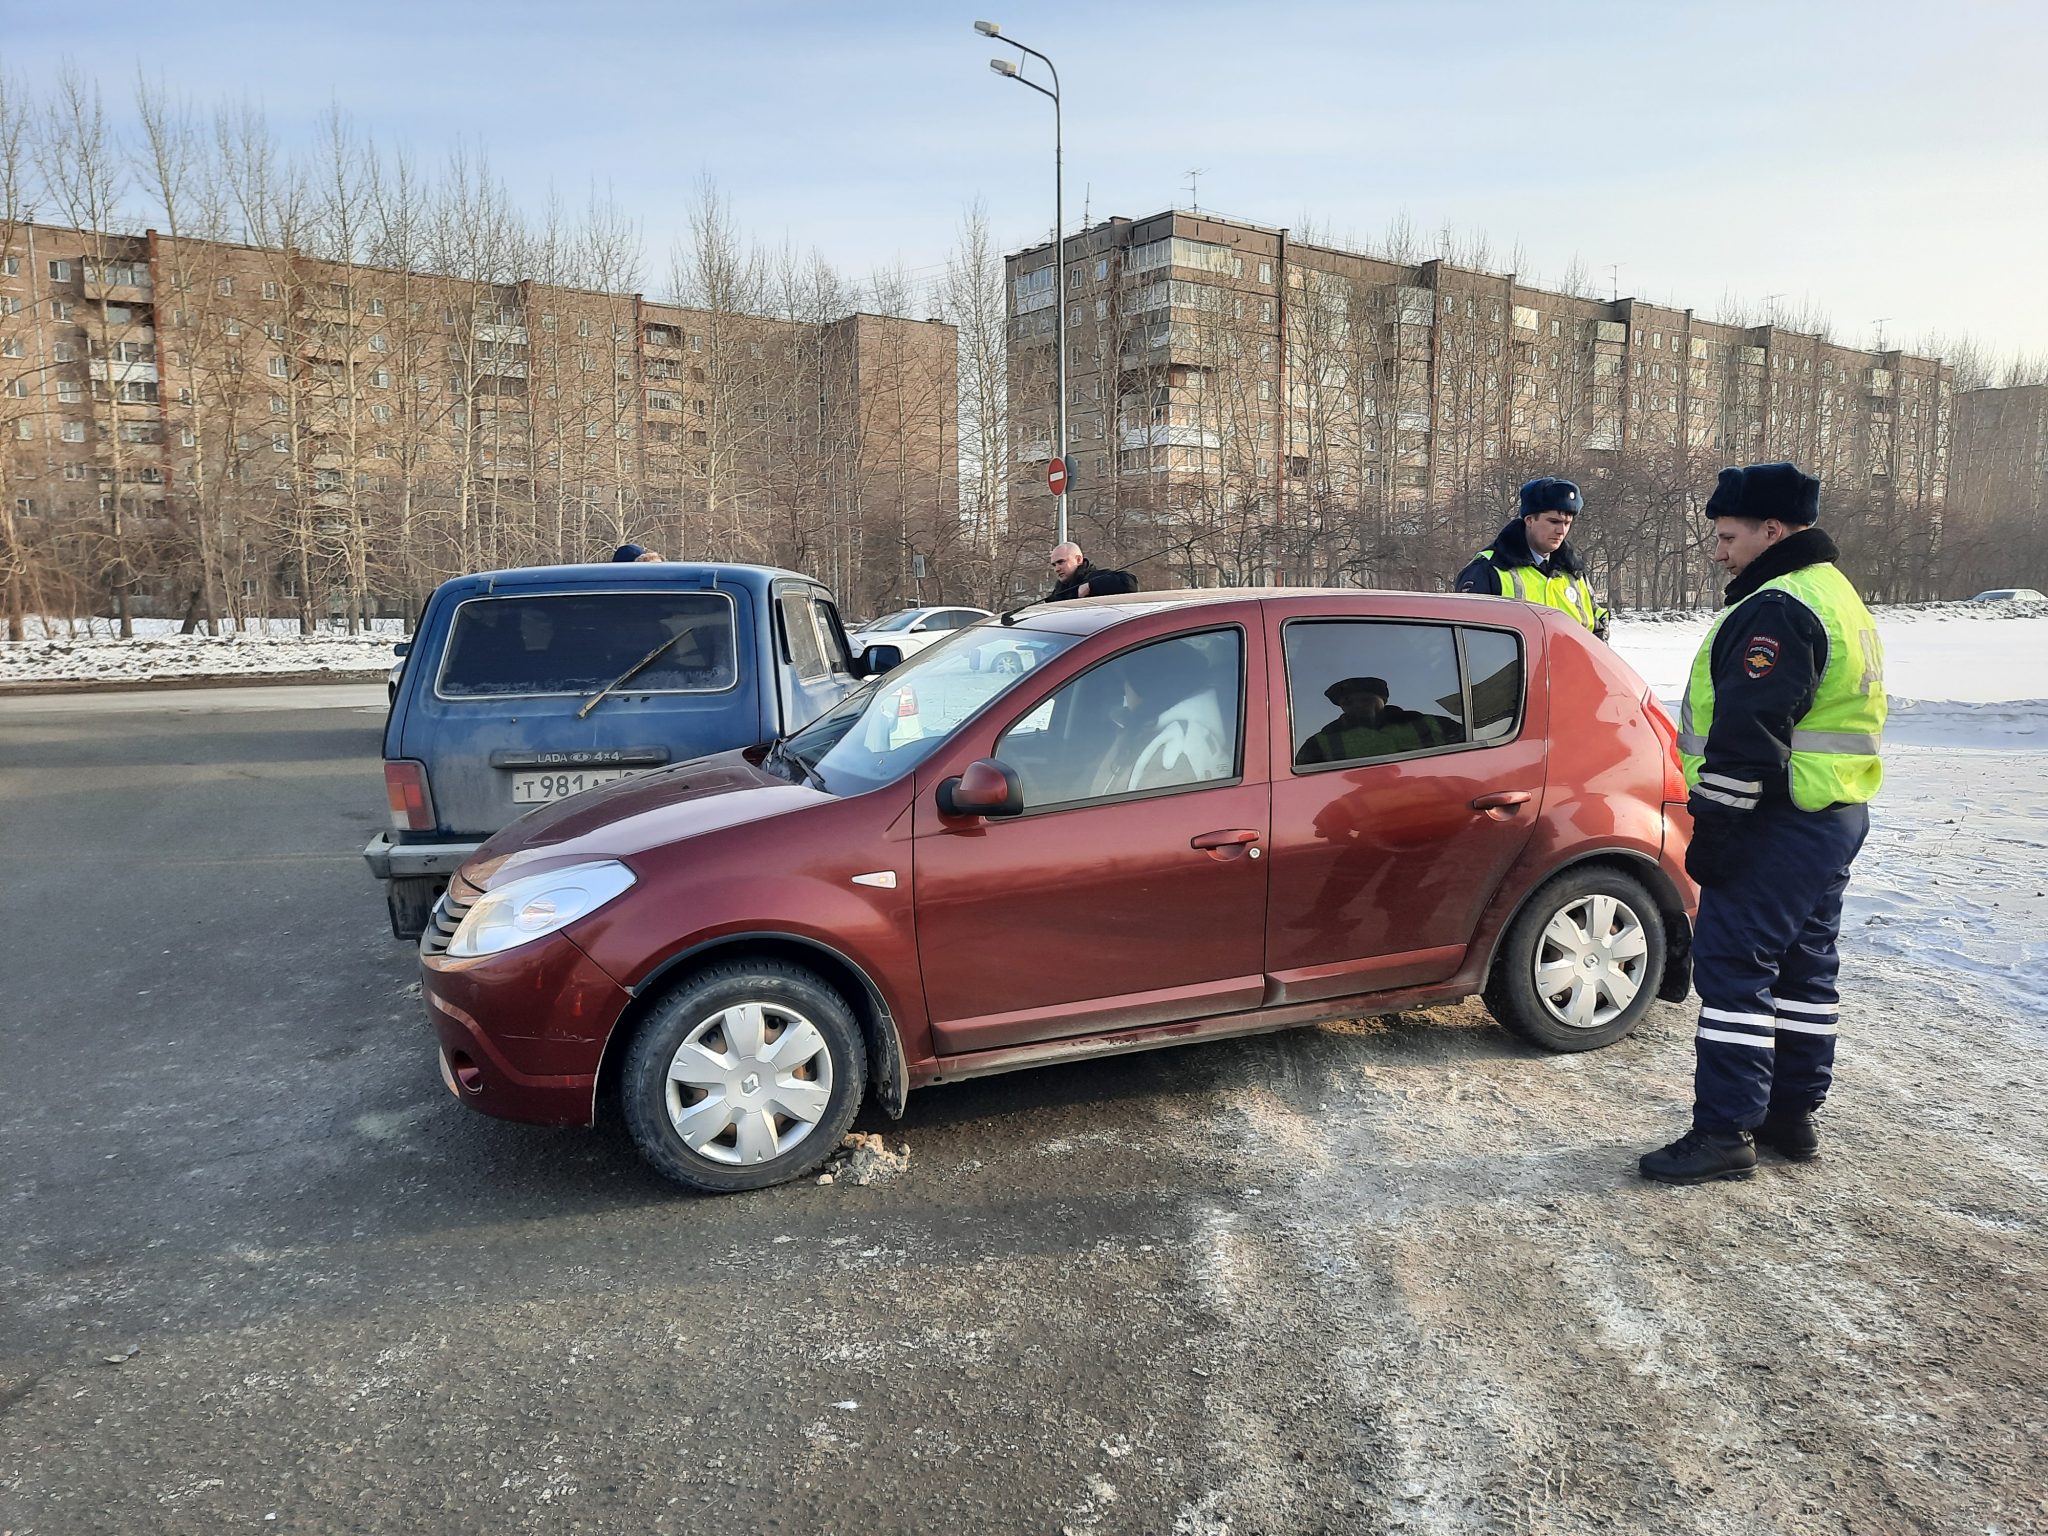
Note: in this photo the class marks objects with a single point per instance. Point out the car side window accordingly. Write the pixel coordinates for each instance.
(1360, 692)
(1493, 663)
(800, 636)
(1162, 716)
(831, 636)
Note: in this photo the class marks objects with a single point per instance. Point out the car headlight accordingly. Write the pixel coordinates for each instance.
(536, 905)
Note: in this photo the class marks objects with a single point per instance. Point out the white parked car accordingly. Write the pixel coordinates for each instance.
(915, 628)
(2010, 595)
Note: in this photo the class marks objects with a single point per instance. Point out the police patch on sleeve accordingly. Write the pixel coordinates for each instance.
(1759, 656)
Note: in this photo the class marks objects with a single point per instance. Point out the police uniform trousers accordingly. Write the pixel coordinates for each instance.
(1764, 965)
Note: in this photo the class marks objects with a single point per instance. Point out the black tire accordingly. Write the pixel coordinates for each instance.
(410, 901)
(783, 992)
(1518, 1000)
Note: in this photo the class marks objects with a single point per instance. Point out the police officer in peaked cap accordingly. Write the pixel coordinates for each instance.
(1779, 736)
(1533, 559)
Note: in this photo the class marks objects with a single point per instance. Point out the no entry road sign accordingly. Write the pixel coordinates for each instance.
(1056, 477)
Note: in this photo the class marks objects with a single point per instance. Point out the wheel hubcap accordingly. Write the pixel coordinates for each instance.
(1591, 962)
(749, 1083)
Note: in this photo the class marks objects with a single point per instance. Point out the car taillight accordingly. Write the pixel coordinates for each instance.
(412, 802)
(1674, 769)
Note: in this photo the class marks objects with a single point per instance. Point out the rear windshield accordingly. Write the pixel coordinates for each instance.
(577, 642)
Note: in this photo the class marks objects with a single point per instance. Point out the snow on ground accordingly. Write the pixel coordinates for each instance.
(92, 653)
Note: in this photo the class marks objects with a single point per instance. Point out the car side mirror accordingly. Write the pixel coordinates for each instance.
(401, 647)
(987, 788)
(877, 659)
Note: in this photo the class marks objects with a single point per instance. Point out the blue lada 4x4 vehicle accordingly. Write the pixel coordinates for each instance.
(523, 687)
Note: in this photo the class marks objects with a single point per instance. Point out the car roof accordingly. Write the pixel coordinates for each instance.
(1087, 615)
(655, 575)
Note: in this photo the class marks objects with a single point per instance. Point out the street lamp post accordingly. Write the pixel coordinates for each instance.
(1059, 242)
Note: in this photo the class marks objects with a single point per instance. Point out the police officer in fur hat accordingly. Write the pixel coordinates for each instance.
(1779, 737)
(1533, 559)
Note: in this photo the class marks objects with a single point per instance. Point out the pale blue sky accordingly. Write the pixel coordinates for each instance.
(1873, 158)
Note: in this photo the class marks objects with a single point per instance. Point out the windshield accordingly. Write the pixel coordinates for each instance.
(881, 731)
(894, 621)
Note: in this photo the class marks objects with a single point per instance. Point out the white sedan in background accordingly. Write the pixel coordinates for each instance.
(915, 628)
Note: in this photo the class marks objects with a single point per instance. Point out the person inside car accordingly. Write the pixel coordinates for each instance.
(1170, 727)
(1368, 726)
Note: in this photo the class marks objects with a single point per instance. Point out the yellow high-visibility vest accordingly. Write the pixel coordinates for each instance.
(1835, 745)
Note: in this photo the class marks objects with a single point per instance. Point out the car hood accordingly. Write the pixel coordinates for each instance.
(632, 815)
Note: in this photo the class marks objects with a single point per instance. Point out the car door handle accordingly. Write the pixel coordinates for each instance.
(1503, 803)
(1229, 844)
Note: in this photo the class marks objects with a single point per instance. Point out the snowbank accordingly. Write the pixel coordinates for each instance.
(158, 653)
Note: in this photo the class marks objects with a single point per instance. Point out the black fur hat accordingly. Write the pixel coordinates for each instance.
(1550, 494)
(1782, 491)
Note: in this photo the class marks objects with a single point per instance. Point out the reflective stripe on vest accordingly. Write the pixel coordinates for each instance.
(1567, 594)
(1835, 745)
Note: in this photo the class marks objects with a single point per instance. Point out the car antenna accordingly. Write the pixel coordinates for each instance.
(1010, 618)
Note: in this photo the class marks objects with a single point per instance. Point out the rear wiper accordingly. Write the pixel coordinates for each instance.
(629, 674)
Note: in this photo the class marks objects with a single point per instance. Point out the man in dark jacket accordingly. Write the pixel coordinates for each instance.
(1533, 559)
(1779, 738)
(1074, 576)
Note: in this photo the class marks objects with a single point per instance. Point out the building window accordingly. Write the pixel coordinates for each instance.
(583, 328)
(72, 432)
(270, 290)
(70, 392)
(11, 347)
(10, 266)
(377, 342)
(374, 307)
(1266, 311)
(24, 429)
(60, 271)
(187, 438)
(381, 379)
(1101, 268)
(280, 442)
(18, 388)
(61, 309)
(381, 414)
(225, 287)
(1265, 272)
(60, 352)
(280, 369)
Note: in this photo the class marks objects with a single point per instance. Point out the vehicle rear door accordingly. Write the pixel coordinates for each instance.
(508, 715)
(1408, 773)
(1132, 890)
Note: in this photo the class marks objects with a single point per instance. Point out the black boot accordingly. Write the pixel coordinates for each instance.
(1791, 1134)
(1699, 1155)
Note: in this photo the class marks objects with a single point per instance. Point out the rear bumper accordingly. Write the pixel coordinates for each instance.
(389, 860)
(522, 1033)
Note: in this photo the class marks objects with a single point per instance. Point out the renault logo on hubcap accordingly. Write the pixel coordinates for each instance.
(751, 1083)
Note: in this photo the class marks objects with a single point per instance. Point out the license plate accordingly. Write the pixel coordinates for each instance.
(544, 788)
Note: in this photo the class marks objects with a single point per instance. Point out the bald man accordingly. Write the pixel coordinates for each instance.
(1073, 576)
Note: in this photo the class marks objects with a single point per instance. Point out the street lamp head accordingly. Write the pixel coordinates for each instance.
(1003, 67)
(988, 29)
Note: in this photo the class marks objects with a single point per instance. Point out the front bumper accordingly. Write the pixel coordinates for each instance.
(389, 860)
(522, 1033)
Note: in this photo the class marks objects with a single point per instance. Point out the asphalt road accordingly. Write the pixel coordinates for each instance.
(343, 1302)
(258, 1271)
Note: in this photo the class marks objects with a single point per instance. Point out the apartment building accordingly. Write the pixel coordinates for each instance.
(204, 422)
(1260, 408)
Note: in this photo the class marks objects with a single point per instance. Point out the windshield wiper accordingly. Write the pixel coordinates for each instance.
(629, 674)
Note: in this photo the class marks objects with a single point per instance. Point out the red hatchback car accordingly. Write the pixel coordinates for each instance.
(1100, 827)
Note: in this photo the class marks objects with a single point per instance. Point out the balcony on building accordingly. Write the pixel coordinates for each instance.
(125, 370)
(119, 282)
